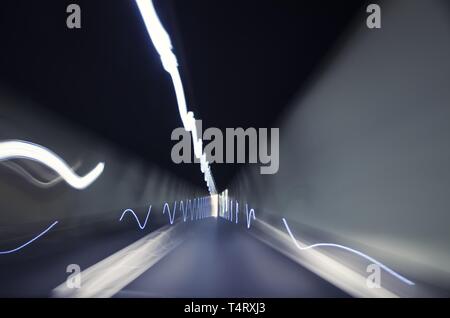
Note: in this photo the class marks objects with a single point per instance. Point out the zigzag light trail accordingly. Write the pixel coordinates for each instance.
(161, 40)
(184, 209)
(199, 210)
(135, 216)
(367, 257)
(30, 241)
(249, 215)
(228, 214)
(171, 216)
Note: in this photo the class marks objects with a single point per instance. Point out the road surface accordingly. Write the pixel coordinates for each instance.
(216, 258)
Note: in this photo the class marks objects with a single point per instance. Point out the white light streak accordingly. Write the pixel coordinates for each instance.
(370, 259)
(162, 43)
(250, 214)
(171, 216)
(141, 226)
(32, 179)
(22, 149)
(344, 276)
(214, 199)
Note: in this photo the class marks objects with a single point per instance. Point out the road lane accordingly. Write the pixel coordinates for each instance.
(220, 259)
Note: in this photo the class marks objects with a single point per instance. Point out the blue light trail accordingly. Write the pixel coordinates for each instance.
(30, 241)
(367, 257)
(135, 216)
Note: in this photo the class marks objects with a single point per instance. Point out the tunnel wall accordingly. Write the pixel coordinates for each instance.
(365, 148)
(126, 182)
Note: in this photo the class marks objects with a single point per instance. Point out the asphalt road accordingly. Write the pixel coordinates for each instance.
(221, 259)
(215, 259)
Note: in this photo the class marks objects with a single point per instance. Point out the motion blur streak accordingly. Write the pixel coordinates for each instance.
(344, 275)
(30, 241)
(32, 179)
(249, 216)
(135, 216)
(163, 45)
(171, 216)
(110, 275)
(228, 213)
(214, 199)
(184, 209)
(23, 149)
(387, 269)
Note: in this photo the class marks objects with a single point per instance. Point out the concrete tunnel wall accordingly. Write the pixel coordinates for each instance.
(126, 182)
(365, 149)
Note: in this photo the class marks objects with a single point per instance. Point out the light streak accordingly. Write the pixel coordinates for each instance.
(193, 210)
(32, 179)
(163, 45)
(184, 209)
(231, 210)
(214, 205)
(198, 209)
(228, 213)
(195, 207)
(30, 241)
(367, 257)
(22, 149)
(135, 216)
(249, 215)
(171, 216)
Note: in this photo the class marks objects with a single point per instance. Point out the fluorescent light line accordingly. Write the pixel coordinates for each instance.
(370, 259)
(30, 241)
(161, 40)
(22, 149)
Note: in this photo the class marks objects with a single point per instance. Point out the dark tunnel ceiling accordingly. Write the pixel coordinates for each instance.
(241, 63)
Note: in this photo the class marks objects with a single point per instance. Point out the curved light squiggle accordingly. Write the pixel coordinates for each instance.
(184, 209)
(367, 257)
(30, 241)
(249, 215)
(27, 150)
(171, 216)
(161, 40)
(228, 214)
(135, 216)
(199, 210)
(32, 179)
